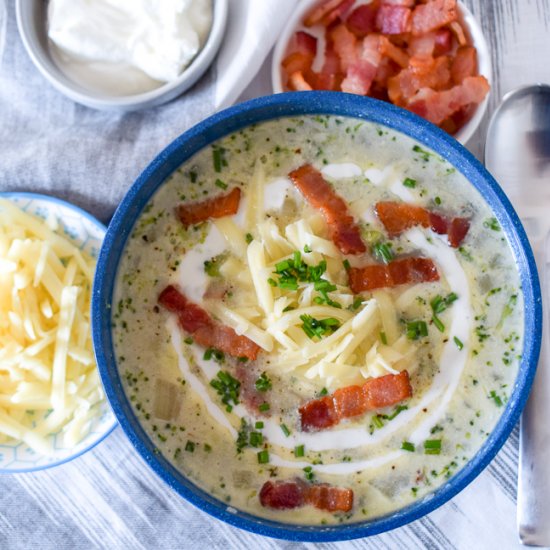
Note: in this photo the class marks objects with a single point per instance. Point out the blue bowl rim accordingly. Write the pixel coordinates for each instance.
(94, 221)
(288, 105)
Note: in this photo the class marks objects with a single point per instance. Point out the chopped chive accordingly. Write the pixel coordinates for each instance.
(498, 401)
(378, 421)
(263, 457)
(432, 446)
(299, 451)
(438, 324)
(219, 183)
(256, 439)
(408, 446)
(217, 159)
(285, 430)
(259, 425)
(383, 252)
(383, 338)
(396, 411)
(272, 282)
(416, 330)
(309, 474)
(437, 200)
(263, 383)
(193, 176)
(249, 238)
(307, 249)
(492, 223)
(458, 343)
(347, 265)
(409, 182)
(264, 407)
(190, 447)
(188, 340)
(323, 392)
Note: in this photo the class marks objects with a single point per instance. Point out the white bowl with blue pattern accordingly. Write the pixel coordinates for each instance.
(87, 234)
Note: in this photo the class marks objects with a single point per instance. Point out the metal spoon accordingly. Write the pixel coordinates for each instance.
(517, 153)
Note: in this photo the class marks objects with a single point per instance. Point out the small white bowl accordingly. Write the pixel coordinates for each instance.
(31, 22)
(86, 233)
(472, 26)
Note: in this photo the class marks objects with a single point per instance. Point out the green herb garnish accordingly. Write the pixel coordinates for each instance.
(263, 383)
(458, 343)
(383, 252)
(256, 439)
(285, 430)
(263, 457)
(228, 389)
(407, 446)
(432, 446)
(416, 330)
(219, 183)
(409, 182)
(317, 328)
(492, 223)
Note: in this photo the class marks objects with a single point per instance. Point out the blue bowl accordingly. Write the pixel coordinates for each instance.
(234, 119)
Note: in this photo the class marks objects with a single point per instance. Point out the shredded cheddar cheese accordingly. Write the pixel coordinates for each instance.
(48, 378)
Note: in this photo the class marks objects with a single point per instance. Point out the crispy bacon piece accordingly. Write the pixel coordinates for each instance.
(323, 13)
(397, 272)
(360, 74)
(433, 15)
(345, 46)
(205, 331)
(327, 497)
(362, 20)
(297, 82)
(344, 231)
(400, 216)
(464, 64)
(393, 19)
(285, 495)
(216, 207)
(457, 231)
(444, 41)
(422, 72)
(388, 390)
(374, 394)
(438, 106)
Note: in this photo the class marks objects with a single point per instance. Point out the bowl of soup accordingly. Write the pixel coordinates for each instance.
(316, 316)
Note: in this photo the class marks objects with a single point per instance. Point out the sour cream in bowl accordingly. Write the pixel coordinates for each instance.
(316, 316)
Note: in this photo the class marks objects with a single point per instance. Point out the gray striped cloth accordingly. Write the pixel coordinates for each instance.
(109, 498)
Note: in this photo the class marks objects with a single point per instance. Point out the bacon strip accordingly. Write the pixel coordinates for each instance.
(398, 272)
(216, 207)
(433, 15)
(400, 216)
(285, 495)
(344, 231)
(351, 401)
(205, 331)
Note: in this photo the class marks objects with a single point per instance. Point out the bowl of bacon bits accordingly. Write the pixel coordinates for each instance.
(427, 56)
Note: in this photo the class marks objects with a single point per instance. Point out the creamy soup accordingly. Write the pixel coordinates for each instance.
(367, 302)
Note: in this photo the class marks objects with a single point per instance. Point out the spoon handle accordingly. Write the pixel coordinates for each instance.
(534, 445)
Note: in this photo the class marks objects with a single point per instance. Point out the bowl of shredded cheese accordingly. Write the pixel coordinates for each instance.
(52, 404)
